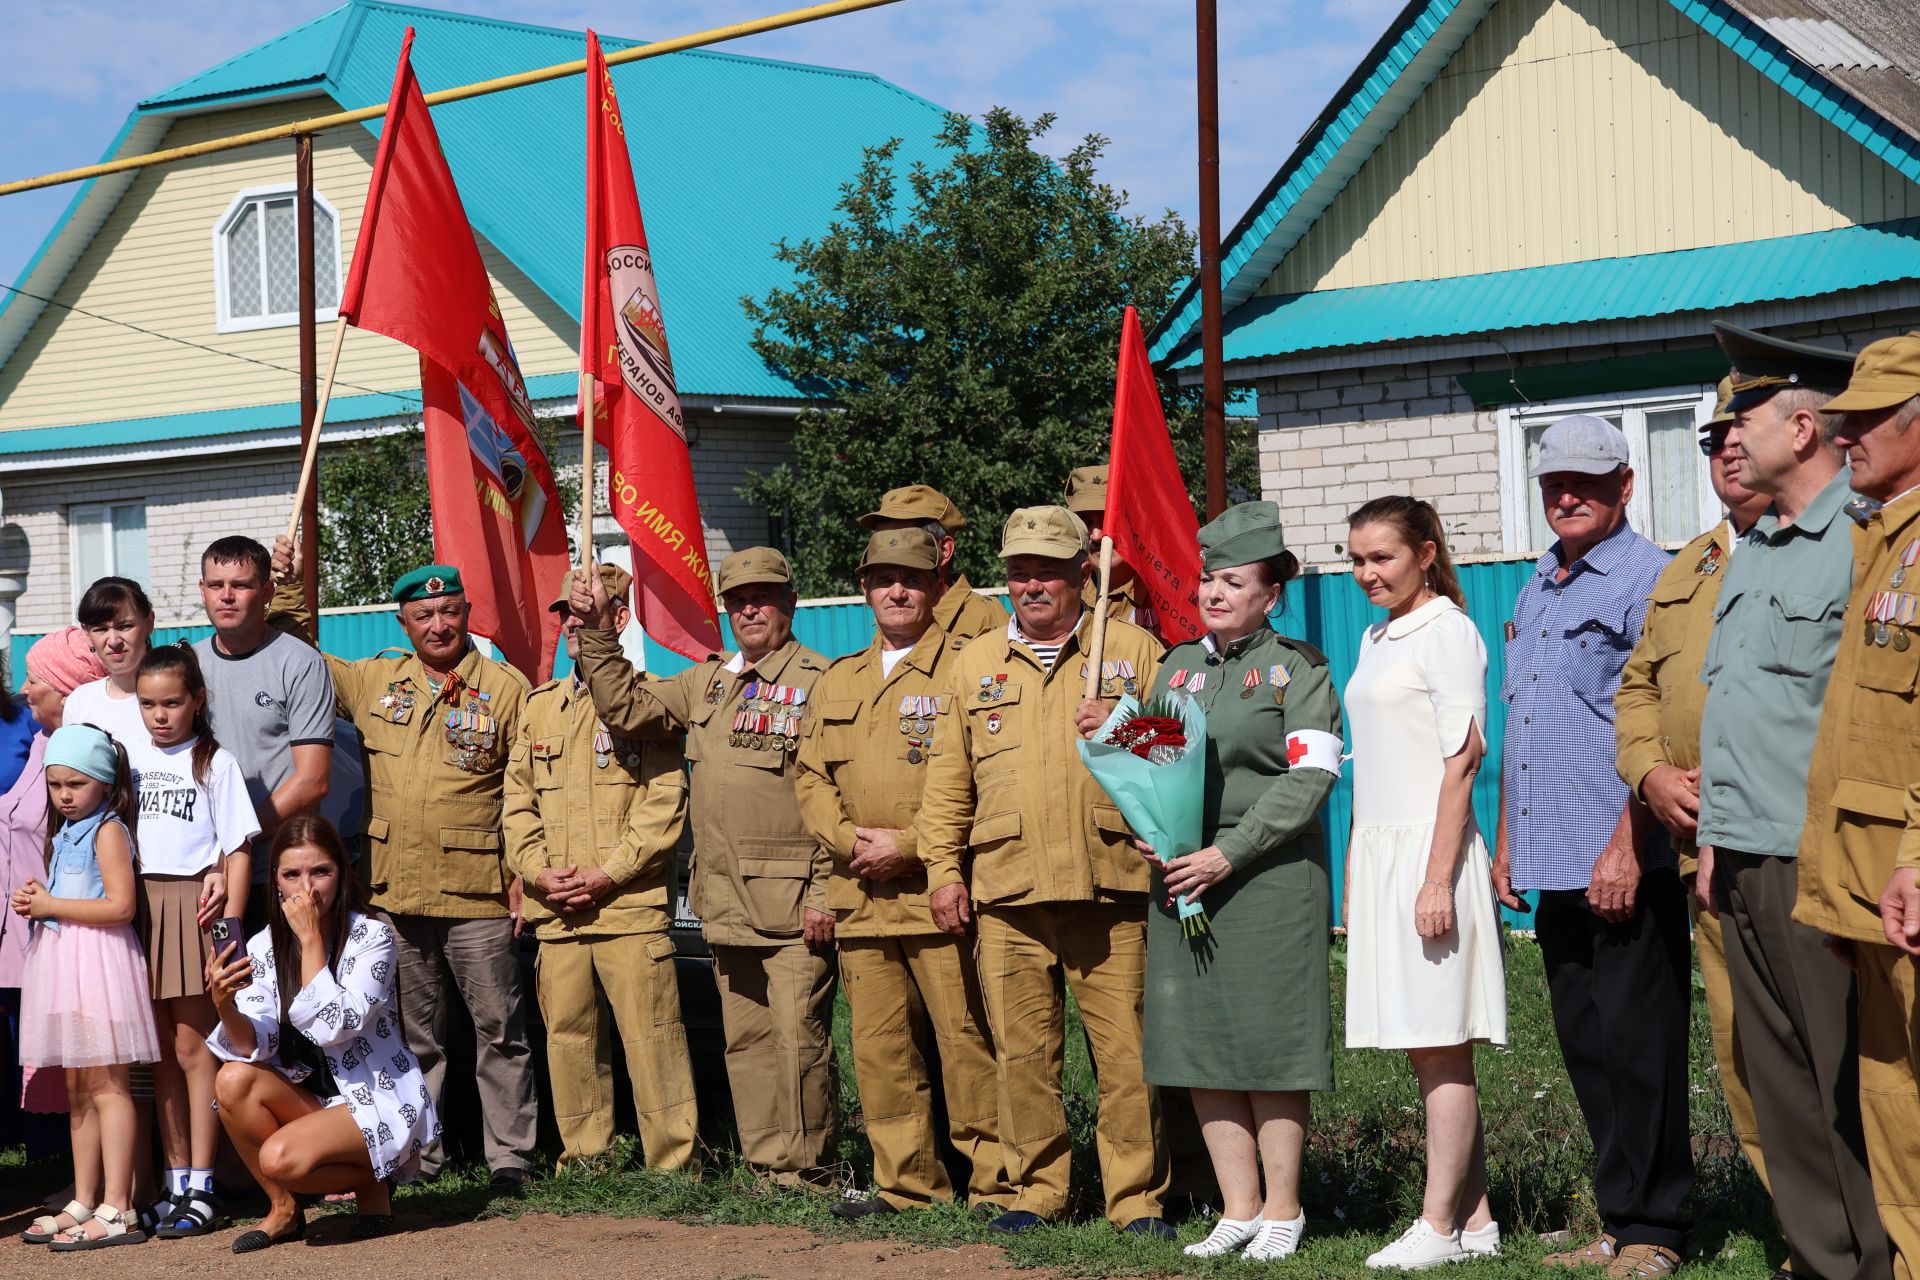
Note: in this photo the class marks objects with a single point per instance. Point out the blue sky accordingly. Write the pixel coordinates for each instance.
(1123, 68)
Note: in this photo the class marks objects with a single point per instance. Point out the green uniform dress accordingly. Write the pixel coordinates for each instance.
(1247, 1005)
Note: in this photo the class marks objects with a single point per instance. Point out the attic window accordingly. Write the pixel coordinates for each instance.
(257, 264)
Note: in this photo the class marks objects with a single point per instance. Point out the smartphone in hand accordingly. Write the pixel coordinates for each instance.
(229, 930)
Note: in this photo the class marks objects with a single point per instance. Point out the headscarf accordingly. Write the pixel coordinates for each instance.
(64, 660)
(83, 747)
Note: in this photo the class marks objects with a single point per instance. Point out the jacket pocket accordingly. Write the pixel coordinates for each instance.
(1800, 633)
(1002, 866)
(1117, 865)
(996, 727)
(837, 731)
(774, 889)
(471, 861)
(1873, 818)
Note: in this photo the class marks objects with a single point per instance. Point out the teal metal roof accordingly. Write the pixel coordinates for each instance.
(1650, 284)
(293, 59)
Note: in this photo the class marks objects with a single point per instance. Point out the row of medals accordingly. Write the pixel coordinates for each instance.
(916, 724)
(470, 730)
(771, 729)
(1891, 612)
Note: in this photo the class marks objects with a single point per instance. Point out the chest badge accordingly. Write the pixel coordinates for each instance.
(993, 722)
(1278, 677)
(1709, 561)
(1250, 683)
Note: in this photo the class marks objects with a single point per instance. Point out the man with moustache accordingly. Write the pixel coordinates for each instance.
(1860, 850)
(1777, 628)
(880, 716)
(956, 609)
(1611, 919)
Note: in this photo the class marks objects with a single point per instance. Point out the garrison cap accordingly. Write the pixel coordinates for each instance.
(1086, 490)
(1241, 534)
(1582, 443)
(754, 565)
(917, 502)
(428, 582)
(902, 548)
(1886, 374)
(1723, 416)
(1054, 532)
(615, 579)
(1764, 365)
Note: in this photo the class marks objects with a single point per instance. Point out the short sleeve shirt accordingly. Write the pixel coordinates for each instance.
(265, 703)
(186, 829)
(1566, 646)
(120, 717)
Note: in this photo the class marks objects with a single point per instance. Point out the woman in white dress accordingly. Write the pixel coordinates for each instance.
(1424, 967)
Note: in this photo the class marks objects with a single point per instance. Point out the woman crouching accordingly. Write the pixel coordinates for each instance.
(317, 1090)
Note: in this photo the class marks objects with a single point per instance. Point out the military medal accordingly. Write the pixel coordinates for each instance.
(715, 692)
(1000, 686)
(1907, 559)
(986, 683)
(1278, 677)
(1709, 561)
(1178, 680)
(1250, 683)
(1196, 682)
(914, 756)
(602, 745)
(1129, 680)
(993, 722)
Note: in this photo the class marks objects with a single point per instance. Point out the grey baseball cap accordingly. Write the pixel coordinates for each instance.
(1589, 445)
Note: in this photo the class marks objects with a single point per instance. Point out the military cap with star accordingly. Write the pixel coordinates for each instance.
(916, 502)
(1053, 532)
(754, 565)
(1764, 365)
(1086, 490)
(1886, 374)
(902, 549)
(428, 582)
(1241, 534)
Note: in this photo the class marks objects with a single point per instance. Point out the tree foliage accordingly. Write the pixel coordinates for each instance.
(963, 325)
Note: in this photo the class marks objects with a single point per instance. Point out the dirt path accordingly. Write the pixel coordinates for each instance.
(537, 1247)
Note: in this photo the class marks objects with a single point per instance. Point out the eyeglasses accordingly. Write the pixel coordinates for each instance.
(1714, 441)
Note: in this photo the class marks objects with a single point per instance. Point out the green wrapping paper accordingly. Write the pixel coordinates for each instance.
(1163, 803)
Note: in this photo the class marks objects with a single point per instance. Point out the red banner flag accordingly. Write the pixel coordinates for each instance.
(1149, 515)
(623, 347)
(417, 277)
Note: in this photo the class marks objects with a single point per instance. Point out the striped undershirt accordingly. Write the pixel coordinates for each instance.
(1047, 653)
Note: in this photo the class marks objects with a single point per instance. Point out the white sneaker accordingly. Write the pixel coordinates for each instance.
(1484, 1243)
(1275, 1240)
(1227, 1235)
(1418, 1248)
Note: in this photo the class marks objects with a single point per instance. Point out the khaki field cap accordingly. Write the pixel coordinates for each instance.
(902, 548)
(1723, 414)
(1886, 374)
(615, 579)
(916, 502)
(1054, 532)
(1086, 490)
(754, 565)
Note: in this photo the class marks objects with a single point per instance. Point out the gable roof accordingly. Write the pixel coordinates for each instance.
(1413, 52)
(731, 154)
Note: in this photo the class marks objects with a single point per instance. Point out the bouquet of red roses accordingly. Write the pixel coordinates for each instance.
(1151, 761)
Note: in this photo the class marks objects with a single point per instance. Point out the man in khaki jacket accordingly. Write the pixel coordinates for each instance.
(591, 825)
(1860, 851)
(879, 716)
(1012, 821)
(759, 878)
(956, 609)
(1086, 496)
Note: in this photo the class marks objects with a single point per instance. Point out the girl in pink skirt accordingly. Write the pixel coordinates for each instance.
(84, 1003)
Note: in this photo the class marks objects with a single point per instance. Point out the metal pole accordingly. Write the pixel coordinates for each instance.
(309, 364)
(1213, 401)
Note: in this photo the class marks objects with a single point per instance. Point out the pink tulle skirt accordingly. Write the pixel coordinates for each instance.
(83, 999)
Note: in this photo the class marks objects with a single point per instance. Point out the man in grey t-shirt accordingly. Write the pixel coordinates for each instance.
(269, 696)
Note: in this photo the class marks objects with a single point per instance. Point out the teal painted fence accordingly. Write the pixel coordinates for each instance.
(1325, 609)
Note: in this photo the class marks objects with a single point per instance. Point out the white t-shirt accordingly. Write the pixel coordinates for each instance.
(185, 829)
(890, 658)
(93, 704)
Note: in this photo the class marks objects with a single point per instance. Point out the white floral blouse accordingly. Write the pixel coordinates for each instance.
(347, 1011)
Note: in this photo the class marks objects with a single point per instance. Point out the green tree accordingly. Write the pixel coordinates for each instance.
(966, 340)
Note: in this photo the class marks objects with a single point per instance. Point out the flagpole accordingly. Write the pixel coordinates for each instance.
(1099, 648)
(313, 438)
(587, 462)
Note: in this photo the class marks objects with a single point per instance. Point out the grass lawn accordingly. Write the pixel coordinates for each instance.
(1362, 1183)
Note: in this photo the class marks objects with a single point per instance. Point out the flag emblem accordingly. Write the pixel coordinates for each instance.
(645, 365)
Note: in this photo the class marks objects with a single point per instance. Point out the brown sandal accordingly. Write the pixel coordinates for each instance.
(1644, 1262)
(1595, 1253)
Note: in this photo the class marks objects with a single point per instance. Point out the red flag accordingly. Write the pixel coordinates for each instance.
(623, 347)
(1149, 515)
(417, 277)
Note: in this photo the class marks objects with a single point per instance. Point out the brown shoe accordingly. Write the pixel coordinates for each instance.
(1596, 1253)
(1643, 1262)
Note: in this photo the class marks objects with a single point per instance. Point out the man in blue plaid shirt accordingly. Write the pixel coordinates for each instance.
(1612, 916)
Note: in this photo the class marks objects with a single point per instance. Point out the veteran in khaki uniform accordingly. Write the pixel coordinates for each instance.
(435, 729)
(956, 609)
(1860, 850)
(1012, 822)
(879, 715)
(759, 878)
(1086, 496)
(1657, 719)
(591, 824)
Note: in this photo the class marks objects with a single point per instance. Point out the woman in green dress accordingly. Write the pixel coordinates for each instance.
(1240, 1014)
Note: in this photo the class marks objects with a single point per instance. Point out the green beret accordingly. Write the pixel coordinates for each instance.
(1241, 535)
(428, 582)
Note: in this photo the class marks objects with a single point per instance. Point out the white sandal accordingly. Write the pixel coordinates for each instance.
(122, 1226)
(47, 1225)
(1227, 1236)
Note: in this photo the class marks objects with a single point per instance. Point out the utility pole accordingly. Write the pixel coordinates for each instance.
(1213, 403)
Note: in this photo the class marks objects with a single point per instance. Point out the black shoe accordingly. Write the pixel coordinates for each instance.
(256, 1240)
(871, 1207)
(1014, 1221)
(507, 1181)
(1154, 1227)
(370, 1226)
(985, 1211)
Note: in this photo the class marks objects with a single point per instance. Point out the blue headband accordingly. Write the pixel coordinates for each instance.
(83, 747)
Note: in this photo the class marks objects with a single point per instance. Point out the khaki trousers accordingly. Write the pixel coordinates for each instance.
(1712, 949)
(581, 980)
(776, 1004)
(1889, 1096)
(899, 989)
(479, 958)
(1028, 956)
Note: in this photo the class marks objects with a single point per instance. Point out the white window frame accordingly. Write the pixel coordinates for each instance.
(1518, 491)
(99, 513)
(227, 323)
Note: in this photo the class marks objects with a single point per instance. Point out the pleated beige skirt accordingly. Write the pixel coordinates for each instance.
(177, 947)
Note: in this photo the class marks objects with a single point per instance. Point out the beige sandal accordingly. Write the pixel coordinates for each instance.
(1644, 1262)
(122, 1226)
(48, 1225)
(1595, 1253)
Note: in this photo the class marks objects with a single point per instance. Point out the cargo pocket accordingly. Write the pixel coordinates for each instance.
(470, 862)
(1117, 865)
(664, 986)
(1876, 817)
(774, 888)
(1001, 866)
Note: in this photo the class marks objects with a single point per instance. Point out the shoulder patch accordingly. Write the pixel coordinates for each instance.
(1305, 650)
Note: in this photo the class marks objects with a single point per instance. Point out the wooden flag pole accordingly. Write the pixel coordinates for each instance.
(1098, 651)
(587, 462)
(313, 439)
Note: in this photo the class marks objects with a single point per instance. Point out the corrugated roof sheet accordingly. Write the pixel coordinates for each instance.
(1869, 48)
(293, 58)
(1651, 284)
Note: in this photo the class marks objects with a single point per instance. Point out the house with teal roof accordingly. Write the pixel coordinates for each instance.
(1515, 210)
(148, 367)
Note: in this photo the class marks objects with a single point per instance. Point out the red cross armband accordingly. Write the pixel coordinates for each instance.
(1313, 749)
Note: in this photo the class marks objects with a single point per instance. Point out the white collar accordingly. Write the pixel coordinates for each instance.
(737, 663)
(1407, 624)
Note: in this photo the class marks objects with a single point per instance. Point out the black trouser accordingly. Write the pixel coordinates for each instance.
(1795, 1004)
(1620, 1004)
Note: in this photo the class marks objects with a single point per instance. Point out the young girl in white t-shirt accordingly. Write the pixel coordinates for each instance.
(197, 824)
